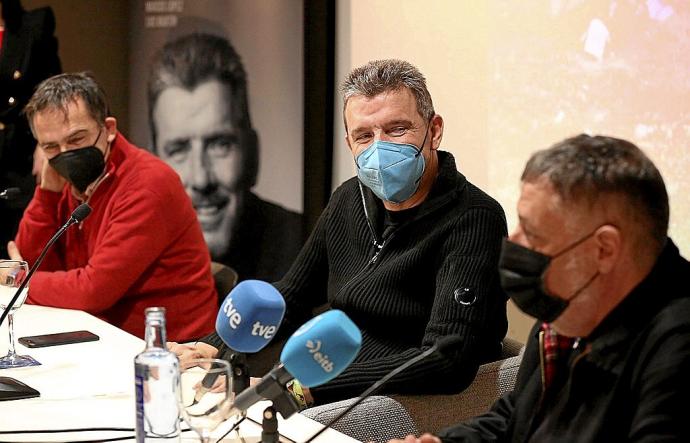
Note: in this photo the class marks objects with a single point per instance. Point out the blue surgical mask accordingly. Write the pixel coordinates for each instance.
(391, 170)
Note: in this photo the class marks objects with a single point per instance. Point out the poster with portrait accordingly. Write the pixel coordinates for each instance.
(216, 91)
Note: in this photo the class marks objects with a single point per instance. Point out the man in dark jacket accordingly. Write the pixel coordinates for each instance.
(408, 249)
(610, 356)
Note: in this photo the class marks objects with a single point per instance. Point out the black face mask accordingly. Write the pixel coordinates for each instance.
(521, 271)
(81, 166)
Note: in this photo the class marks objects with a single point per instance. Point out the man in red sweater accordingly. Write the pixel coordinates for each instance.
(141, 245)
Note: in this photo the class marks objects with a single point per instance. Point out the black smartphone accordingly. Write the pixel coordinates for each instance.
(61, 338)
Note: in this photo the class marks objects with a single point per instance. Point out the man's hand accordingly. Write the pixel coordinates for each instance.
(187, 352)
(13, 251)
(50, 179)
(426, 438)
(307, 395)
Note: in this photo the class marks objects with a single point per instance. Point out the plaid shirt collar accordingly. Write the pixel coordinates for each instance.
(555, 354)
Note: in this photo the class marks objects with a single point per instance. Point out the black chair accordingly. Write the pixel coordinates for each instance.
(225, 279)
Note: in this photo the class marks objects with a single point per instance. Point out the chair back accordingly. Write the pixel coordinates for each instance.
(511, 348)
(225, 278)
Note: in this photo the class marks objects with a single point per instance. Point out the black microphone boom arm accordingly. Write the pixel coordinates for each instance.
(271, 387)
(20, 390)
(77, 216)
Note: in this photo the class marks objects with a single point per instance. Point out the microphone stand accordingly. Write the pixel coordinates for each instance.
(285, 403)
(269, 426)
(11, 389)
(240, 371)
(78, 215)
(273, 388)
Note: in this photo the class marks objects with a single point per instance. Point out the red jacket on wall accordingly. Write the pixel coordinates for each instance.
(141, 246)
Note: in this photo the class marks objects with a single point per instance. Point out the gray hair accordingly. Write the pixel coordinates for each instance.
(58, 91)
(587, 167)
(380, 76)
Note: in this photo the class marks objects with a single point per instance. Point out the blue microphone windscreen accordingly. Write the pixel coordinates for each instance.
(322, 348)
(250, 316)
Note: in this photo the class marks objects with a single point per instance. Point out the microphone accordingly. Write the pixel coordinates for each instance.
(11, 388)
(315, 354)
(80, 213)
(247, 321)
(250, 316)
(10, 193)
(440, 347)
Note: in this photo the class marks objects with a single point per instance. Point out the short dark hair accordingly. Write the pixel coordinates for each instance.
(193, 59)
(587, 167)
(58, 91)
(380, 76)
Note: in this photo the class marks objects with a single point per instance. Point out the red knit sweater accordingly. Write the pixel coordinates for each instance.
(141, 246)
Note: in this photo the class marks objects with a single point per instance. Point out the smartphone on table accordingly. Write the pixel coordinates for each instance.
(61, 338)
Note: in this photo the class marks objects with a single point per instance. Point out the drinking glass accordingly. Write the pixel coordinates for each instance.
(202, 409)
(12, 274)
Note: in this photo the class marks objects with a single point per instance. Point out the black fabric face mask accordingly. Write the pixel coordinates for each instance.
(521, 271)
(81, 166)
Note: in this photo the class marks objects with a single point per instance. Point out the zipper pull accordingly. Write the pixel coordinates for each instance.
(379, 247)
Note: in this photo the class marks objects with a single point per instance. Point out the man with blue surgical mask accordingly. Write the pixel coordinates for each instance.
(408, 249)
(390, 162)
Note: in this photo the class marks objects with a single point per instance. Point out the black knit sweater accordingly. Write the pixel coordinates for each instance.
(432, 275)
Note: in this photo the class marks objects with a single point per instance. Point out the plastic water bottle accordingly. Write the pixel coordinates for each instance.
(156, 378)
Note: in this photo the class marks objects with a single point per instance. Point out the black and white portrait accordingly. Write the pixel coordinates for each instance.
(200, 121)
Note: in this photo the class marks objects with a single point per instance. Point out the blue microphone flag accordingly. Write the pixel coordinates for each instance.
(321, 348)
(250, 316)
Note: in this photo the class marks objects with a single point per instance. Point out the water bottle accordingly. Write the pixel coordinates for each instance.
(156, 377)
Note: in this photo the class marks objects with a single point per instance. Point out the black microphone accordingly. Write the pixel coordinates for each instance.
(440, 346)
(10, 193)
(77, 216)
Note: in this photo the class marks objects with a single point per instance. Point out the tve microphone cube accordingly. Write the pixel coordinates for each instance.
(250, 316)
